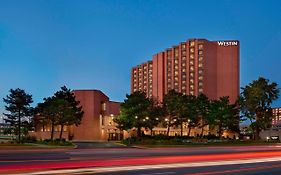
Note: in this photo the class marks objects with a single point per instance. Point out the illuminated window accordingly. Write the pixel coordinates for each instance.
(183, 46)
(191, 87)
(103, 106)
(183, 53)
(191, 92)
(200, 71)
(191, 74)
(191, 50)
(176, 72)
(191, 43)
(191, 68)
(176, 61)
(200, 52)
(191, 56)
(183, 58)
(183, 70)
(183, 64)
(200, 83)
(200, 65)
(191, 63)
(200, 77)
(200, 90)
(200, 58)
(200, 46)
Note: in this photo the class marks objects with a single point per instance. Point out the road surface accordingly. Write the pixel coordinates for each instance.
(151, 161)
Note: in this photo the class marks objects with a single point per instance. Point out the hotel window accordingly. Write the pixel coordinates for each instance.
(184, 58)
(200, 72)
(191, 56)
(183, 70)
(191, 43)
(200, 65)
(183, 76)
(191, 74)
(183, 82)
(191, 62)
(176, 52)
(103, 106)
(176, 83)
(200, 52)
(183, 46)
(200, 58)
(176, 79)
(191, 50)
(191, 92)
(191, 87)
(176, 61)
(191, 81)
(200, 46)
(191, 68)
(176, 67)
(183, 64)
(183, 53)
(200, 77)
(183, 87)
(200, 83)
(200, 90)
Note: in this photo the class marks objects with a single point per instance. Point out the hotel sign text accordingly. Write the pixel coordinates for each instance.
(228, 43)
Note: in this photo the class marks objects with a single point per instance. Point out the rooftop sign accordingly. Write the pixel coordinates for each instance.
(227, 43)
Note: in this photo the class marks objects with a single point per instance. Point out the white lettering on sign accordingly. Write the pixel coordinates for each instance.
(227, 43)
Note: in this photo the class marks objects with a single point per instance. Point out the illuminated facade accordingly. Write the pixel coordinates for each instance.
(276, 116)
(97, 121)
(192, 67)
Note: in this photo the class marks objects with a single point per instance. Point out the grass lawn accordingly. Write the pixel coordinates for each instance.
(16, 146)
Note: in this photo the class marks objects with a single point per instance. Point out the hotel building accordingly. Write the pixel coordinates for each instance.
(276, 116)
(191, 67)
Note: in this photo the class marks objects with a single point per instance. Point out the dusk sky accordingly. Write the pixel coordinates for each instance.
(45, 44)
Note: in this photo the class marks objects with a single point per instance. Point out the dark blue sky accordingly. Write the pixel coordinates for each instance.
(93, 44)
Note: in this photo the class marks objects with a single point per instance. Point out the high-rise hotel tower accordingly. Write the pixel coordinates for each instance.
(192, 67)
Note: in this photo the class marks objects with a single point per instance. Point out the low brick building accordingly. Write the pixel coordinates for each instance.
(97, 122)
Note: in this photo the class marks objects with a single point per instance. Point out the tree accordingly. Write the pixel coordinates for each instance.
(134, 111)
(203, 105)
(173, 104)
(192, 112)
(154, 116)
(223, 114)
(255, 103)
(60, 109)
(18, 105)
(71, 112)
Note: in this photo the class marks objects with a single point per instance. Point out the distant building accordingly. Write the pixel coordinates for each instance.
(192, 67)
(276, 116)
(97, 122)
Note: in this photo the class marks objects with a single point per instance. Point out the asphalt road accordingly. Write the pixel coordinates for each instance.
(195, 160)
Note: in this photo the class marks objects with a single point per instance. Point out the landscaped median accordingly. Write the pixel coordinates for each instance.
(194, 142)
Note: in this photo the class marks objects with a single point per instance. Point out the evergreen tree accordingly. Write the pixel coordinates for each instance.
(18, 107)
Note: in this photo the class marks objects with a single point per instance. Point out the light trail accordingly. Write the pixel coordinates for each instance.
(161, 166)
